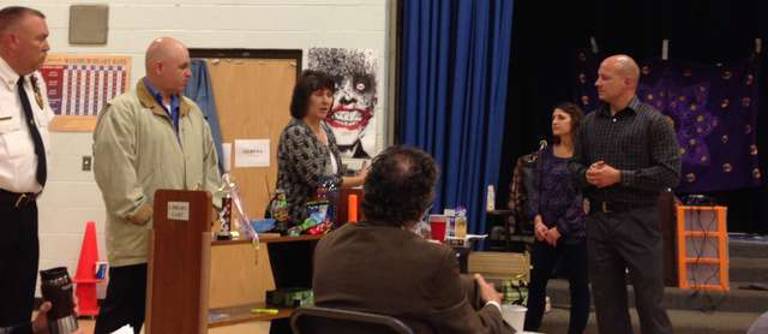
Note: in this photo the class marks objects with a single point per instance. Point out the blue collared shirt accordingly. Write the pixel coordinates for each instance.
(175, 102)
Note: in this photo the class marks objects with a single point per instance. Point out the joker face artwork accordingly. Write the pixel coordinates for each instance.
(354, 104)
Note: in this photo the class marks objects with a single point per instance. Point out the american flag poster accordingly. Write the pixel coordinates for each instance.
(80, 85)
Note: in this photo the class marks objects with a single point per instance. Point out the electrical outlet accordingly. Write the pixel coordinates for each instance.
(87, 160)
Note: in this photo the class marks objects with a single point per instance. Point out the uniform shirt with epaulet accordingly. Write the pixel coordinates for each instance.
(18, 161)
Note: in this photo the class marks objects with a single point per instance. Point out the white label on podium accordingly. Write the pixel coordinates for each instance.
(178, 211)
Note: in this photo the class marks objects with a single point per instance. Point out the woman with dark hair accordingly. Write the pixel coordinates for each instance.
(307, 156)
(555, 206)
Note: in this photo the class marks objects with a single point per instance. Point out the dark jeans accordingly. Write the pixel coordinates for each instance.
(125, 300)
(544, 258)
(627, 240)
(19, 257)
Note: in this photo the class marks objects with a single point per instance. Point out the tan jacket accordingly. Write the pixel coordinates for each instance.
(388, 270)
(136, 152)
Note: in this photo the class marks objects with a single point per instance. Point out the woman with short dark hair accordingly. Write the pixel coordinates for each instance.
(307, 155)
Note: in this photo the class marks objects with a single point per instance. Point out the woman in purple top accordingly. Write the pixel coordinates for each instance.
(555, 206)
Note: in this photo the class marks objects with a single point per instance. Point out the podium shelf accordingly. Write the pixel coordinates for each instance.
(269, 238)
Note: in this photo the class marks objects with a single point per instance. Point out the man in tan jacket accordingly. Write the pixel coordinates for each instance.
(148, 139)
(381, 266)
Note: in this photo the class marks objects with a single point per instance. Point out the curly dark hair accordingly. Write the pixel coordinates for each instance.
(576, 115)
(399, 186)
(309, 82)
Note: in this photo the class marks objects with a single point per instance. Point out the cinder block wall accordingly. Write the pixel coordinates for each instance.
(71, 197)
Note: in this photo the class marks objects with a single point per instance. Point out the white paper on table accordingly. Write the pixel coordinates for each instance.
(127, 329)
(251, 153)
(468, 237)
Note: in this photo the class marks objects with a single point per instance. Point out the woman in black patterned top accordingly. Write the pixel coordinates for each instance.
(555, 206)
(307, 154)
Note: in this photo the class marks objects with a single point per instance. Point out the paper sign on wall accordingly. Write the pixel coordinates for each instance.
(251, 153)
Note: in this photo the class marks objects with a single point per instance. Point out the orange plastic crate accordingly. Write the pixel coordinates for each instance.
(702, 248)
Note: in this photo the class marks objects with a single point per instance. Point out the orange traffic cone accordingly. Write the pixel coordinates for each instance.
(85, 279)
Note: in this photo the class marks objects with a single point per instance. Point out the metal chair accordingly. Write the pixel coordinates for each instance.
(324, 320)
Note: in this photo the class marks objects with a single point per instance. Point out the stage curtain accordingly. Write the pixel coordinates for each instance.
(453, 90)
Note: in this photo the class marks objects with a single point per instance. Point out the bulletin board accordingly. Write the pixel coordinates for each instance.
(78, 86)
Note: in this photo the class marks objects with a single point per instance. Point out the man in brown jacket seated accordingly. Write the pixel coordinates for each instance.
(380, 266)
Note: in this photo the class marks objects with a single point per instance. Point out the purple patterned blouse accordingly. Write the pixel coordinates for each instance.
(557, 198)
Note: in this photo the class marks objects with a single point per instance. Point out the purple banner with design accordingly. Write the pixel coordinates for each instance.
(714, 109)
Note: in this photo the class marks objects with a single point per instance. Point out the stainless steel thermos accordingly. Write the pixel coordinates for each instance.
(57, 288)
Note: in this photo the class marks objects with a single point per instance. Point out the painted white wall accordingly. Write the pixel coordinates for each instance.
(71, 197)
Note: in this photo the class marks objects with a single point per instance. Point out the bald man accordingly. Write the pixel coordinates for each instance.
(150, 138)
(625, 156)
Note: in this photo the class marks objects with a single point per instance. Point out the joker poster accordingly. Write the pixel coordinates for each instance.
(354, 106)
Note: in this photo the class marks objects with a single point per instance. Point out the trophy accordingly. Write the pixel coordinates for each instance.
(225, 215)
(233, 228)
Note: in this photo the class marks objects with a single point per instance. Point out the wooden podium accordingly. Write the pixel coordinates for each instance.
(179, 263)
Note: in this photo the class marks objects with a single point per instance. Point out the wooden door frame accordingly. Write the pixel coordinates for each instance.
(289, 61)
(294, 54)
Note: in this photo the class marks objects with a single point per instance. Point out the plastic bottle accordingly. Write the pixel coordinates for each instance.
(279, 209)
(461, 223)
(490, 199)
(506, 290)
(450, 223)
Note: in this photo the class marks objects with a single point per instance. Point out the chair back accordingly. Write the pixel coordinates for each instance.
(324, 320)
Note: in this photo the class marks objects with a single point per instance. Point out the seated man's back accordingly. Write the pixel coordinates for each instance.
(382, 267)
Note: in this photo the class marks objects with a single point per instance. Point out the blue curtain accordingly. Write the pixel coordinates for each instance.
(199, 89)
(455, 65)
